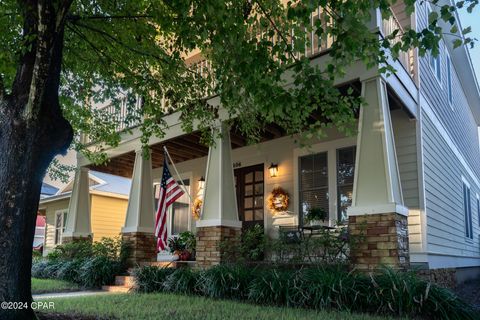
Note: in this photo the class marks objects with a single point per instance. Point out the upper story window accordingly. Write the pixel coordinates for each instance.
(435, 64)
(478, 209)
(449, 80)
(313, 183)
(467, 211)
(345, 175)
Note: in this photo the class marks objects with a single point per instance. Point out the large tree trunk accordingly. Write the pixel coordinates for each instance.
(32, 132)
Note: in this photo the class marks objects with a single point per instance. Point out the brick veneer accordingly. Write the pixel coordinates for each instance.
(141, 247)
(386, 241)
(209, 251)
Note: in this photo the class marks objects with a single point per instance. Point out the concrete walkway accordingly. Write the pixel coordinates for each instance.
(68, 294)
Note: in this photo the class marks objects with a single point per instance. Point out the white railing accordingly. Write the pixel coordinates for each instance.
(389, 25)
(126, 117)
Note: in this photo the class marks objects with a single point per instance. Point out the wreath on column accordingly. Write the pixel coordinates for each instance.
(197, 208)
(278, 200)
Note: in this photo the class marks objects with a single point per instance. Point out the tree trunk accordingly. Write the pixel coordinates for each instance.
(32, 132)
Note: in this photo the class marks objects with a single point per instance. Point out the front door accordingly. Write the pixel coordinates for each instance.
(249, 183)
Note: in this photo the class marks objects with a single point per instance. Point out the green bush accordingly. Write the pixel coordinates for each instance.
(151, 279)
(38, 269)
(330, 287)
(69, 271)
(182, 280)
(98, 271)
(79, 249)
(225, 281)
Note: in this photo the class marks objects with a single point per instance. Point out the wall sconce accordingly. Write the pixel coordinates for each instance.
(201, 183)
(273, 169)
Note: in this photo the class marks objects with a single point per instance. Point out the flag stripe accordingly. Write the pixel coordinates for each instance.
(170, 191)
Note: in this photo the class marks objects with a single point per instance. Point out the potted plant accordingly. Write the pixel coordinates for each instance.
(314, 215)
(183, 246)
(176, 246)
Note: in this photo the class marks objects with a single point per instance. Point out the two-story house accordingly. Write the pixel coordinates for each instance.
(411, 173)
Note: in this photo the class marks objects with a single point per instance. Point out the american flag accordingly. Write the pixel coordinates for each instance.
(170, 191)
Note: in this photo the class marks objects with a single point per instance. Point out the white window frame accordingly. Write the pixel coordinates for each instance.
(437, 61)
(449, 79)
(62, 227)
(467, 209)
(331, 148)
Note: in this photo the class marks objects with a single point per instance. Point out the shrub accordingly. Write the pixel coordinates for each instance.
(79, 249)
(182, 280)
(98, 271)
(69, 271)
(38, 269)
(225, 281)
(272, 286)
(252, 247)
(150, 278)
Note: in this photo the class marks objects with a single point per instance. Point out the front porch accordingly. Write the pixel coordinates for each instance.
(344, 176)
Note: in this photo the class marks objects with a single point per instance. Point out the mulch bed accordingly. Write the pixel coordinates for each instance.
(70, 316)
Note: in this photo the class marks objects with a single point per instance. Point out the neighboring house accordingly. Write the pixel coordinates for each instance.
(107, 201)
(47, 190)
(39, 237)
(412, 172)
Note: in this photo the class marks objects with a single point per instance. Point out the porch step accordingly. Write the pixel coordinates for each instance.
(169, 264)
(117, 289)
(126, 281)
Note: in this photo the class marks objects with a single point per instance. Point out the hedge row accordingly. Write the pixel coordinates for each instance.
(333, 288)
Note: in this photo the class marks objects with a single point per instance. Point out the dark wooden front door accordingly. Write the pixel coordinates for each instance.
(249, 183)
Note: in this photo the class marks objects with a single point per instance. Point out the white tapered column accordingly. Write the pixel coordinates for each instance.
(219, 219)
(377, 205)
(78, 223)
(139, 221)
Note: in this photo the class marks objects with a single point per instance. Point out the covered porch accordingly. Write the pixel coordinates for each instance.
(347, 177)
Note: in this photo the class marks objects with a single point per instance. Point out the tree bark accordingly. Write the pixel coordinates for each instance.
(32, 132)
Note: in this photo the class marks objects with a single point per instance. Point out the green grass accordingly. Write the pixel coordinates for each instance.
(52, 285)
(171, 306)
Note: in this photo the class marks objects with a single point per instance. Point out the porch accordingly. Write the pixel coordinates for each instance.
(344, 176)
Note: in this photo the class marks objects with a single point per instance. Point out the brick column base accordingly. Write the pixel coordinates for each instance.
(141, 247)
(209, 251)
(76, 239)
(386, 241)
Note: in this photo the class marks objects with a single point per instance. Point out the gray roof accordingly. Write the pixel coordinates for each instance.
(113, 184)
(48, 190)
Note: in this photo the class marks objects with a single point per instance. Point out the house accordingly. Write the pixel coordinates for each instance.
(411, 174)
(107, 201)
(47, 190)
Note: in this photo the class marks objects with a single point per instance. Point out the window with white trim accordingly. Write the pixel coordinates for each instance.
(449, 80)
(467, 208)
(313, 183)
(60, 223)
(179, 211)
(435, 64)
(478, 209)
(345, 175)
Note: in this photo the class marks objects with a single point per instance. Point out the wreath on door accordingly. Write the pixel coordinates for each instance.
(197, 208)
(278, 200)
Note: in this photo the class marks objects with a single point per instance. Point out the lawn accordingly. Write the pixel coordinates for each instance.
(52, 285)
(170, 306)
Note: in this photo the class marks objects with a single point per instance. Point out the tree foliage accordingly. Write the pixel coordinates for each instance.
(121, 50)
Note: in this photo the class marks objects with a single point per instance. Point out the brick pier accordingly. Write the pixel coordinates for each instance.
(209, 239)
(141, 247)
(386, 241)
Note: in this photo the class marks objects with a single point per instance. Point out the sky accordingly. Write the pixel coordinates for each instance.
(473, 20)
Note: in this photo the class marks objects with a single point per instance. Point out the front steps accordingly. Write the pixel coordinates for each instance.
(123, 284)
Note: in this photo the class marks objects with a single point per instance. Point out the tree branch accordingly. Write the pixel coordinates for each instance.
(76, 17)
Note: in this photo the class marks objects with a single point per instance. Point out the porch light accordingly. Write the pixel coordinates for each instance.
(273, 169)
(201, 183)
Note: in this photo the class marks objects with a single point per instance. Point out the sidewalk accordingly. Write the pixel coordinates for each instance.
(68, 294)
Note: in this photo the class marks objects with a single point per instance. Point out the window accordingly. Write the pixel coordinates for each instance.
(60, 223)
(467, 210)
(345, 175)
(313, 183)
(449, 80)
(478, 209)
(179, 211)
(435, 64)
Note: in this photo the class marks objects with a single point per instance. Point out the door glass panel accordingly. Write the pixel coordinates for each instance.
(249, 177)
(249, 190)
(248, 202)
(258, 202)
(179, 218)
(258, 214)
(258, 175)
(248, 215)
(259, 188)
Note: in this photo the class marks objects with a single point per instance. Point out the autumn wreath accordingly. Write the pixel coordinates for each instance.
(197, 208)
(278, 200)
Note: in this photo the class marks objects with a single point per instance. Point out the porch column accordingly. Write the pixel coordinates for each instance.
(78, 224)
(138, 230)
(219, 219)
(377, 208)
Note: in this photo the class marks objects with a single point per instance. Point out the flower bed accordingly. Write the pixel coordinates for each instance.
(323, 287)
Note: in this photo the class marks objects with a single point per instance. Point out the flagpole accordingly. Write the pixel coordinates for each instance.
(176, 172)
